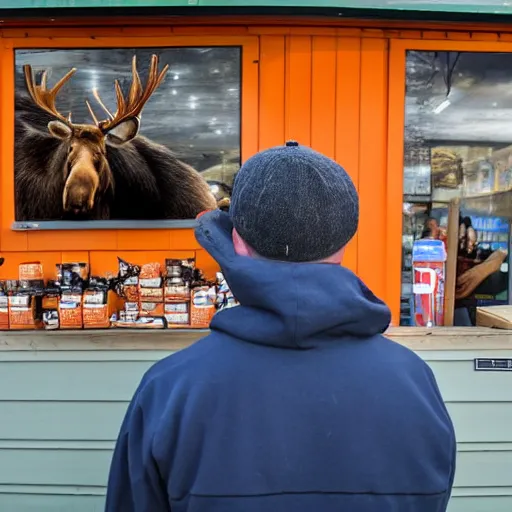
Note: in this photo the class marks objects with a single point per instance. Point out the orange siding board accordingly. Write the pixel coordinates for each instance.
(323, 95)
(298, 89)
(9, 239)
(250, 98)
(76, 240)
(184, 239)
(271, 91)
(75, 257)
(106, 262)
(372, 165)
(348, 71)
(150, 239)
(394, 197)
(10, 268)
(211, 30)
(206, 263)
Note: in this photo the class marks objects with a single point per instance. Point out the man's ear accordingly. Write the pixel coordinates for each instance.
(123, 132)
(59, 130)
(240, 245)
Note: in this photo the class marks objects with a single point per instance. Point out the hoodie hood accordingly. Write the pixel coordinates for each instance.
(288, 305)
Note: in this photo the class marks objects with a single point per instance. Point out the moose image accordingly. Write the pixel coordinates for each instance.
(105, 170)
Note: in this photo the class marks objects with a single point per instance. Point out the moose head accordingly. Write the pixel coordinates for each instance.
(86, 171)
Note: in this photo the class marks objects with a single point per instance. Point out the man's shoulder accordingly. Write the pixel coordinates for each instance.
(392, 355)
(398, 349)
(184, 362)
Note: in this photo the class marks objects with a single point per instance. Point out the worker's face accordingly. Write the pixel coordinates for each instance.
(433, 226)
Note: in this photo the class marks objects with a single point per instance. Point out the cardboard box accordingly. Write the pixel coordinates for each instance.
(498, 317)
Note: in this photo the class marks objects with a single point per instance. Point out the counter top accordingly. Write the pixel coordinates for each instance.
(416, 338)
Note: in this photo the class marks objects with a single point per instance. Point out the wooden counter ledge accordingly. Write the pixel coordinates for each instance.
(419, 339)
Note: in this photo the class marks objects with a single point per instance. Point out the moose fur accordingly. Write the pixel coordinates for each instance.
(143, 180)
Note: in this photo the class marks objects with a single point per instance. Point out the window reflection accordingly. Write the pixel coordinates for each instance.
(458, 145)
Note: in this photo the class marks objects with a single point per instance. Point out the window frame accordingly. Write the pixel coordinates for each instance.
(102, 235)
(451, 42)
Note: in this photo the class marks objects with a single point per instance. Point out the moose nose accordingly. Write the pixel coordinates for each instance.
(77, 209)
(77, 199)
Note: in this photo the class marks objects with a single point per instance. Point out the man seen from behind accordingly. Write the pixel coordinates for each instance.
(295, 401)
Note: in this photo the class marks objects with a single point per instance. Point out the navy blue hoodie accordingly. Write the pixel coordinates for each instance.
(294, 402)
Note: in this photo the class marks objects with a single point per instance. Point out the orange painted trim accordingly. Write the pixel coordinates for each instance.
(373, 229)
(123, 41)
(249, 127)
(258, 22)
(110, 240)
(451, 45)
(395, 180)
(9, 240)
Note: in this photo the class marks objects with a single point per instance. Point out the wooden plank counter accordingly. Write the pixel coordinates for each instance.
(418, 339)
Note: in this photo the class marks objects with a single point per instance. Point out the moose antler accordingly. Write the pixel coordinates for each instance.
(137, 97)
(44, 98)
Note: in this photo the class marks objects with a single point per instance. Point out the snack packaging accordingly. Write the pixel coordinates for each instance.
(177, 314)
(30, 271)
(202, 306)
(150, 276)
(151, 294)
(225, 298)
(155, 309)
(22, 310)
(4, 307)
(50, 305)
(51, 319)
(95, 304)
(70, 310)
(137, 323)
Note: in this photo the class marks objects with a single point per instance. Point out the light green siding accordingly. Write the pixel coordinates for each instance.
(60, 413)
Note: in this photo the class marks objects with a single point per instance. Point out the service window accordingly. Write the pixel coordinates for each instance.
(458, 151)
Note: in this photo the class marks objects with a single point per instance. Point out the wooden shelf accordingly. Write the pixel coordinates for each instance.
(416, 338)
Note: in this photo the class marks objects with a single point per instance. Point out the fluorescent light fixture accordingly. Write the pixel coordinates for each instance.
(442, 106)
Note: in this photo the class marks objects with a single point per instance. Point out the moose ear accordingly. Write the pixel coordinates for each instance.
(123, 132)
(59, 130)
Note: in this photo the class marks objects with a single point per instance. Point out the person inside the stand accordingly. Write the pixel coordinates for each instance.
(478, 273)
(295, 401)
(432, 231)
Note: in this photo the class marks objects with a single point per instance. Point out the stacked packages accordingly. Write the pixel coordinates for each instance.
(147, 296)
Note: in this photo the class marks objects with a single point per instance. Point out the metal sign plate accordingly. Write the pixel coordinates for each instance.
(493, 365)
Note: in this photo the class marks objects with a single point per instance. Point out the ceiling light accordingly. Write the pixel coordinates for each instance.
(442, 106)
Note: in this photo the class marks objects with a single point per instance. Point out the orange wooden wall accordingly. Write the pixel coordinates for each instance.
(325, 90)
(326, 87)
